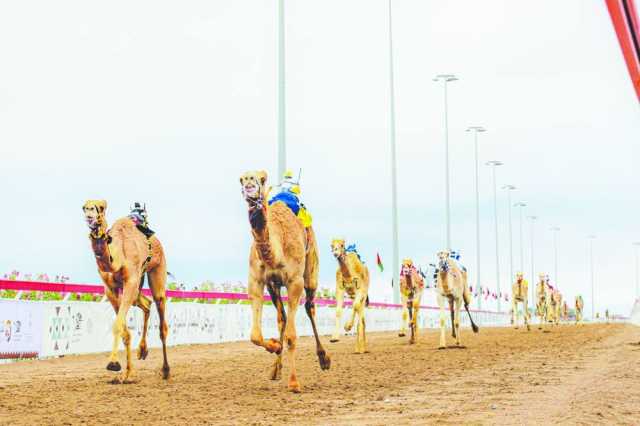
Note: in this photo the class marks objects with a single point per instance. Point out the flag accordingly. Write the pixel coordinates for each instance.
(379, 262)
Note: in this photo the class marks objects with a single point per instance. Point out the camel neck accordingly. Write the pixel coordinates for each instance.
(260, 231)
(344, 268)
(100, 246)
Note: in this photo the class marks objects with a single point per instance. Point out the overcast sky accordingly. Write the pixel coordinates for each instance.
(169, 102)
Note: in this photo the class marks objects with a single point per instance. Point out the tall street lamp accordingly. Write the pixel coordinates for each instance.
(445, 79)
(593, 299)
(282, 149)
(533, 269)
(510, 188)
(476, 130)
(494, 164)
(555, 230)
(394, 174)
(521, 206)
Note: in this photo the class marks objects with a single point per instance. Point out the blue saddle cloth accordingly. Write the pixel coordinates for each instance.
(352, 249)
(290, 199)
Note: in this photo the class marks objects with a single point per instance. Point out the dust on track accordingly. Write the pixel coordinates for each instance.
(572, 375)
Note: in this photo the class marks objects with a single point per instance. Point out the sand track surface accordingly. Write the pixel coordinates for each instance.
(571, 375)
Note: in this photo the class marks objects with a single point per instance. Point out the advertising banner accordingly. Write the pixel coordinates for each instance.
(20, 329)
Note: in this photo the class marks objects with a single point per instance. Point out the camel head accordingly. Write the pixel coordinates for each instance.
(407, 268)
(338, 248)
(443, 261)
(253, 187)
(94, 215)
(519, 277)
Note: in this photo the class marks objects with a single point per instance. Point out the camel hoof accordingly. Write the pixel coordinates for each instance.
(412, 341)
(165, 372)
(401, 334)
(114, 366)
(348, 327)
(528, 328)
(294, 387)
(334, 340)
(143, 352)
(273, 346)
(324, 359)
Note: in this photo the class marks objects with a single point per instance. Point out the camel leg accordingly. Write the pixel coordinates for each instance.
(514, 313)
(467, 302)
(144, 304)
(339, 304)
(525, 311)
(405, 316)
(157, 284)
(358, 309)
(443, 322)
(414, 320)
(349, 325)
(294, 291)
(129, 296)
(310, 306)
(255, 291)
(362, 334)
(456, 322)
(274, 292)
(453, 328)
(114, 364)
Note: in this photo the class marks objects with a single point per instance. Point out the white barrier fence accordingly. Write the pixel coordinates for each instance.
(635, 313)
(46, 328)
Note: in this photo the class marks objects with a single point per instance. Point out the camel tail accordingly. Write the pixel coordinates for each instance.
(366, 302)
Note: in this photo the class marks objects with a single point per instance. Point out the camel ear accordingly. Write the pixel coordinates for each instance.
(262, 175)
(101, 205)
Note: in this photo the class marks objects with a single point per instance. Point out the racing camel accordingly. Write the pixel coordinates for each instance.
(283, 254)
(124, 255)
(452, 285)
(352, 277)
(520, 290)
(411, 288)
(542, 302)
(579, 308)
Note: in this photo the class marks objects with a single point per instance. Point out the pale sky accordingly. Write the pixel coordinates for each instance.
(169, 102)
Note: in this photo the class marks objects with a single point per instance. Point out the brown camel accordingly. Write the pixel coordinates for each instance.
(519, 292)
(124, 254)
(283, 253)
(411, 289)
(352, 277)
(452, 285)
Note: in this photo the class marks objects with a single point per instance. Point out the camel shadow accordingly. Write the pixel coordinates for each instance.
(447, 348)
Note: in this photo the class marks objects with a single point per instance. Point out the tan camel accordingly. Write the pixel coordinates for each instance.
(352, 277)
(579, 308)
(519, 294)
(283, 253)
(565, 311)
(411, 288)
(542, 302)
(124, 255)
(555, 307)
(452, 285)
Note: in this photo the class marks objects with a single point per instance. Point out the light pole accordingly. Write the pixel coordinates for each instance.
(510, 188)
(445, 79)
(593, 299)
(394, 174)
(494, 164)
(533, 269)
(282, 149)
(637, 246)
(555, 230)
(476, 130)
(521, 206)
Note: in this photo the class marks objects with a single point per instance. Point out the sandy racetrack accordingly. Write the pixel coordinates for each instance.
(583, 375)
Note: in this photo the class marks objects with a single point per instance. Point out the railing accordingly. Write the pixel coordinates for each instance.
(69, 289)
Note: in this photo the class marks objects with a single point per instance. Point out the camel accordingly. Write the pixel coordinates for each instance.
(283, 254)
(352, 277)
(520, 291)
(555, 307)
(607, 318)
(452, 285)
(579, 308)
(565, 311)
(124, 255)
(411, 288)
(542, 302)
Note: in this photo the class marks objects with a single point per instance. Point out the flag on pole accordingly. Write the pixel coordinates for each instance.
(379, 262)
